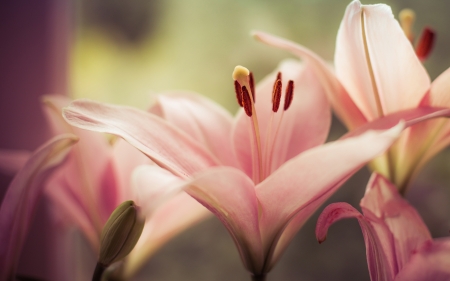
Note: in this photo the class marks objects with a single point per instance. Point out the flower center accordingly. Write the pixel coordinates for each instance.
(245, 94)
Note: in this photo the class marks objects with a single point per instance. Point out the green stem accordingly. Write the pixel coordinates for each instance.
(259, 277)
(98, 272)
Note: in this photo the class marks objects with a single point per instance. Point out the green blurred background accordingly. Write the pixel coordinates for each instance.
(127, 51)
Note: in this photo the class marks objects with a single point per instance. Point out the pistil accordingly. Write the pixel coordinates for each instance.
(244, 78)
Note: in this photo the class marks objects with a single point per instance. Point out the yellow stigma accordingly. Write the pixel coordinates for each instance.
(240, 73)
(407, 18)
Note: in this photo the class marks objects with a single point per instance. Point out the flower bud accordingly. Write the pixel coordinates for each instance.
(120, 233)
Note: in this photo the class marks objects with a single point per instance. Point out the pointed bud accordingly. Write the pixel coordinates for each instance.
(120, 233)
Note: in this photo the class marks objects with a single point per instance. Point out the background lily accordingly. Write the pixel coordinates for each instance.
(262, 174)
(378, 74)
(96, 177)
(20, 200)
(398, 243)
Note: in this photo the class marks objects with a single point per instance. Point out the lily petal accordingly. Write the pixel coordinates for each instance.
(202, 119)
(298, 183)
(11, 161)
(230, 195)
(410, 117)
(126, 158)
(431, 261)
(408, 230)
(379, 266)
(153, 186)
(163, 143)
(21, 198)
(342, 103)
(378, 61)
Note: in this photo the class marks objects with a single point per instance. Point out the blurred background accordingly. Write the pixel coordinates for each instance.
(125, 52)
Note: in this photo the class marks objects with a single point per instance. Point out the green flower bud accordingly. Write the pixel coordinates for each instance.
(120, 233)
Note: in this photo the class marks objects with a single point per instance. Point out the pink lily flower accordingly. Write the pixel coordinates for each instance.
(96, 177)
(379, 74)
(262, 174)
(398, 244)
(21, 197)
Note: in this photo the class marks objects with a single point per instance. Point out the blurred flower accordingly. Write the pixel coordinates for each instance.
(378, 74)
(398, 243)
(97, 176)
(21, 198)
(262, 174)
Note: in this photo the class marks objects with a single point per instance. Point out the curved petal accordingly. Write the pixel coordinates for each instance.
(11, 161)
(230, 195)
(21, 198)
(414, 147)
(153, 186)
(312, 177)
(379, 267)
(163, 143)
(285, 134)
(408, 230)
(431, 261)
(341, 102)
(169, 220)
(202, 119)
(410, 117)
(126, 158)
(377, 51)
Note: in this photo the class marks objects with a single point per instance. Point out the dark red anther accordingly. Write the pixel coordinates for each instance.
(246, 101)
(276, 95)
(279, 76)
(289, 95)
(251, 81)
(425, 44)
(237, 89)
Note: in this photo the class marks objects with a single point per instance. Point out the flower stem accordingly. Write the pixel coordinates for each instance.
(98, 272)
(259, 277)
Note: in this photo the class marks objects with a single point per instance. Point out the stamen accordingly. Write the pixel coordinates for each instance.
(247, 102)
(251, 81)
(425, 43)
(279, 76)
(289, 95)
(237, 89)
(241, 74)
(276, 95)
(407, 18)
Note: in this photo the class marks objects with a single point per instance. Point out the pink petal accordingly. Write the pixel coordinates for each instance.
(379, 267)
(410, 117)
(438, 94)
(202, 119)
(126, 158)
(153, 186)
(342, 103)
(304, 125)
(431, 261)
(230, 195)
(400, 79)
(163, 143)
(408, 230)
(21, 198)
(11, 161)
(169, 220)
(409, 149)
(311, 177)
